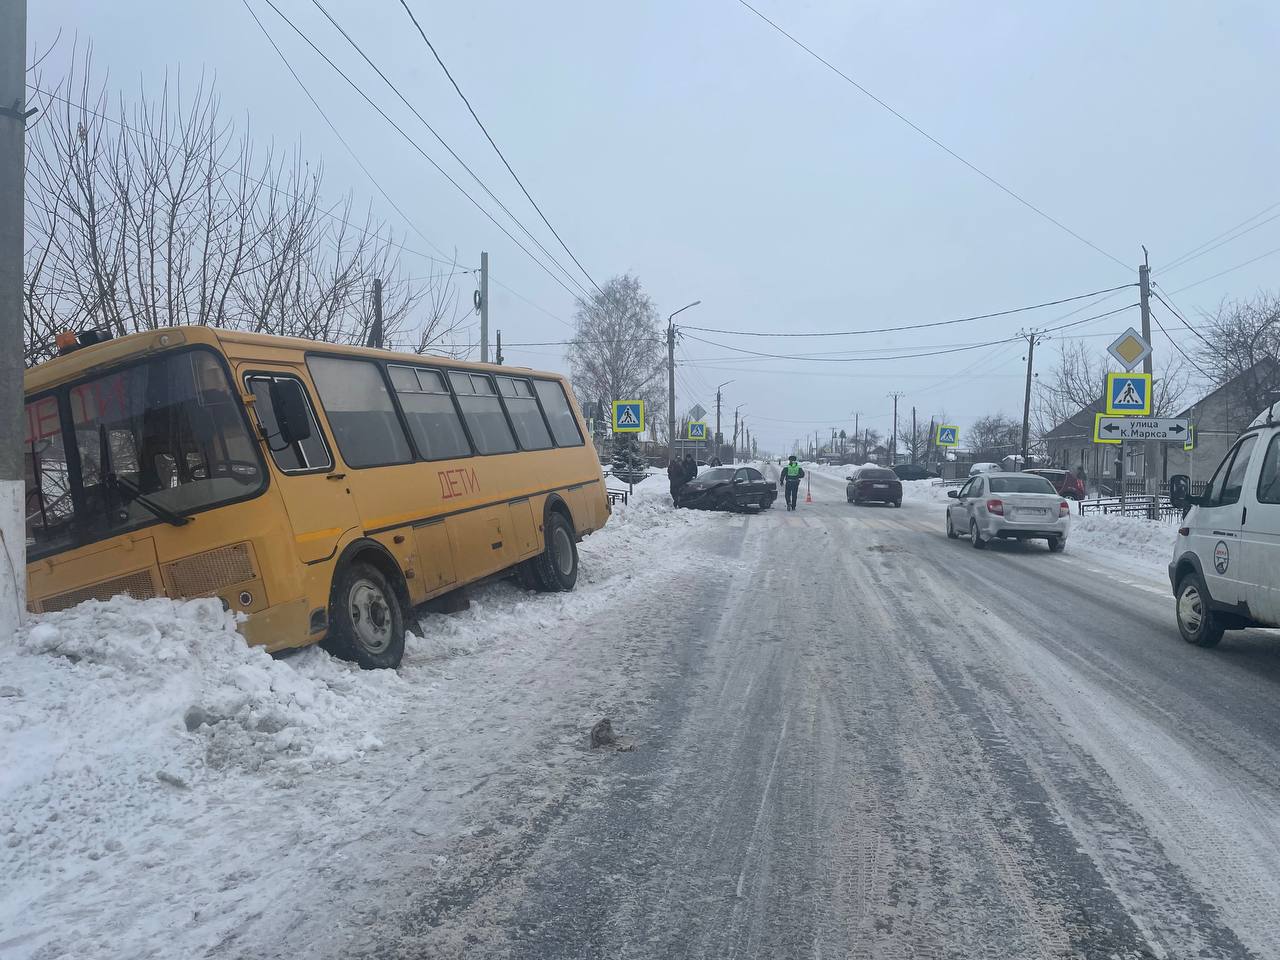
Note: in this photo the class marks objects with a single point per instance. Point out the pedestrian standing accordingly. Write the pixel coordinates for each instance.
(676, 477)
(790, 479)
(690, 468)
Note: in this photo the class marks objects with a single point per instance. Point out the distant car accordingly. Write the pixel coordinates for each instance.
(729, 488)
(1008, 506)
(874, 485)
(978, 468)
(1070, 487)
(913, 471)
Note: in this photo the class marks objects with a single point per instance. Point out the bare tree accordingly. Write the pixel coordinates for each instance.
(1241, 342)
(617, 350)
(158, 213)
(994, 437)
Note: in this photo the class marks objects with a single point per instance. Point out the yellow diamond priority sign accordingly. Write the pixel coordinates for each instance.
(1130, 349)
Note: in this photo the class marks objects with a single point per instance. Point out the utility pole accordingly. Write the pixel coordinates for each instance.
(1144, 296)
(735, 436)
(484, 307)
(1032, 339)
(13, 122)
(671, 375)
(375, 332)
(915, 450)
(498, 357)
(857, 434)
(893, 448)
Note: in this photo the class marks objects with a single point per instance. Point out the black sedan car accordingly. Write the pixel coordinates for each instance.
(913, 471)
(874, 485)
(729, 488)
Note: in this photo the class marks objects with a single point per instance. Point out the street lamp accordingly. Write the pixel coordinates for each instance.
(671, 375)
(719, 435)
(735, 430)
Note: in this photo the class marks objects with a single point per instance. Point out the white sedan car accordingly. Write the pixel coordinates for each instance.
(1008, 506)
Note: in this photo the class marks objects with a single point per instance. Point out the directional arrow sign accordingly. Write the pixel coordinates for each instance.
(1143, 428)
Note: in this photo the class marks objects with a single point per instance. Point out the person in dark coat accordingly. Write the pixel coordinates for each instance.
(690, 468)
(676, 477)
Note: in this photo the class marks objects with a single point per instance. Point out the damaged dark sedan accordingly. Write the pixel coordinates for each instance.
(728, 488)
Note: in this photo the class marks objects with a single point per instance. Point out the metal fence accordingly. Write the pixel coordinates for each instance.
(1145, 506)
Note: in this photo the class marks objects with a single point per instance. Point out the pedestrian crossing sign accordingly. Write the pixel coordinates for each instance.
(697, 430)
(628, 416)
(948, 435)
(1128, 394)
(1189, 442)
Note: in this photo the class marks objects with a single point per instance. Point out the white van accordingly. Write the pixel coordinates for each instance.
(1225, 570)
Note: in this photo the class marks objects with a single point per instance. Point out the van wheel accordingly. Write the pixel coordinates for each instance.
(366, 618)
(557, 568)
(1198, 624)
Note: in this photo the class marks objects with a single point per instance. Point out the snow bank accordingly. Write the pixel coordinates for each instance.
(163, 780)
(1139, 544)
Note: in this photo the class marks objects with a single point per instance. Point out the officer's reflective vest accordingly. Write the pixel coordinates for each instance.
(792, 470)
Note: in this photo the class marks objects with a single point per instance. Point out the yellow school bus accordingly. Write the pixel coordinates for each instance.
(321, 491)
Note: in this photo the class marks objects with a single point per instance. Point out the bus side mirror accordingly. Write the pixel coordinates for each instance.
(1180, 490)
(293, 416)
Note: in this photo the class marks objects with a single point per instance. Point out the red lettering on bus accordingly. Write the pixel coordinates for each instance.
(456, 482)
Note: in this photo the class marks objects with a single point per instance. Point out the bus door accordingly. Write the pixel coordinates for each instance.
(316, 495)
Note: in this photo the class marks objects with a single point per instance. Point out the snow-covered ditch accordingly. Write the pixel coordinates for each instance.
(162, 782)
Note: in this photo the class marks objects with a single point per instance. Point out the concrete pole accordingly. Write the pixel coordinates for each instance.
(13, 99)
(484, 307)
(1150, 447)
(1026, 398)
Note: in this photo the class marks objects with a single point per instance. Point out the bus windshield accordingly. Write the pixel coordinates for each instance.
(154, 441)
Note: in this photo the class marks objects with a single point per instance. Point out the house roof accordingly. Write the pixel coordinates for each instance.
(1080, 421)
(1264, 369)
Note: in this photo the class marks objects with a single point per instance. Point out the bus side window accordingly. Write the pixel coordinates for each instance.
(360, 411)
(300, 457)
(564, 425)
(428, 409)
(482, 410)
(522, 406)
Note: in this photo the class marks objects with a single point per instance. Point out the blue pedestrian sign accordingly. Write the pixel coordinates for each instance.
(628, 416)
(697, 430)
(948, 435)
(1128, 394)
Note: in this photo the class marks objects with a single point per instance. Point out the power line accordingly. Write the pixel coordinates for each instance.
(903, 356)
(485, 130)
(416, 146)
(1178, 313)
(1238, 266)
(1176, 345)
(930, 137)
(1196, 251)
(414, 110)
(917, 326)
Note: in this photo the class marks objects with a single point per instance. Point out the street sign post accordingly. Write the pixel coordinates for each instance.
(697, 430)
(1130, 349)
(628, 416)
(1164, 429)
(1189, 443)
(948, 435)
(1128, 394)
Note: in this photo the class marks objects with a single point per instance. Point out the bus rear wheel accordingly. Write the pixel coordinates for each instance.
(366, 618)
(556, 569)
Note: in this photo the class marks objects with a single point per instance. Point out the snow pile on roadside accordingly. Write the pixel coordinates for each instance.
(1141, 544)
(163, 780)
(927, 490)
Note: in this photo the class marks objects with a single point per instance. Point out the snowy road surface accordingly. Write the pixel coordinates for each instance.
(851, 737)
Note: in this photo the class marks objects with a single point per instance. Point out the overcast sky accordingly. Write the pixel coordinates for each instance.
(689, 143)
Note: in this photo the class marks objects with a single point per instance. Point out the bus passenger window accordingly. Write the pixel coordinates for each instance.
(308, 454)
(522, 405)
(564, 425)
(483, 412)
(360, 412)
(428, 408)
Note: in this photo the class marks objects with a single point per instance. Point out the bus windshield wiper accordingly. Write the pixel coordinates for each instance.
(111, 480)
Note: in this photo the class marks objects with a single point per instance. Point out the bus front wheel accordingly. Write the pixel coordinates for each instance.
(556, 569)
(366, 619)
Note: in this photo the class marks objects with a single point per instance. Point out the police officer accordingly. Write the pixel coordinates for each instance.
(790, 479)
